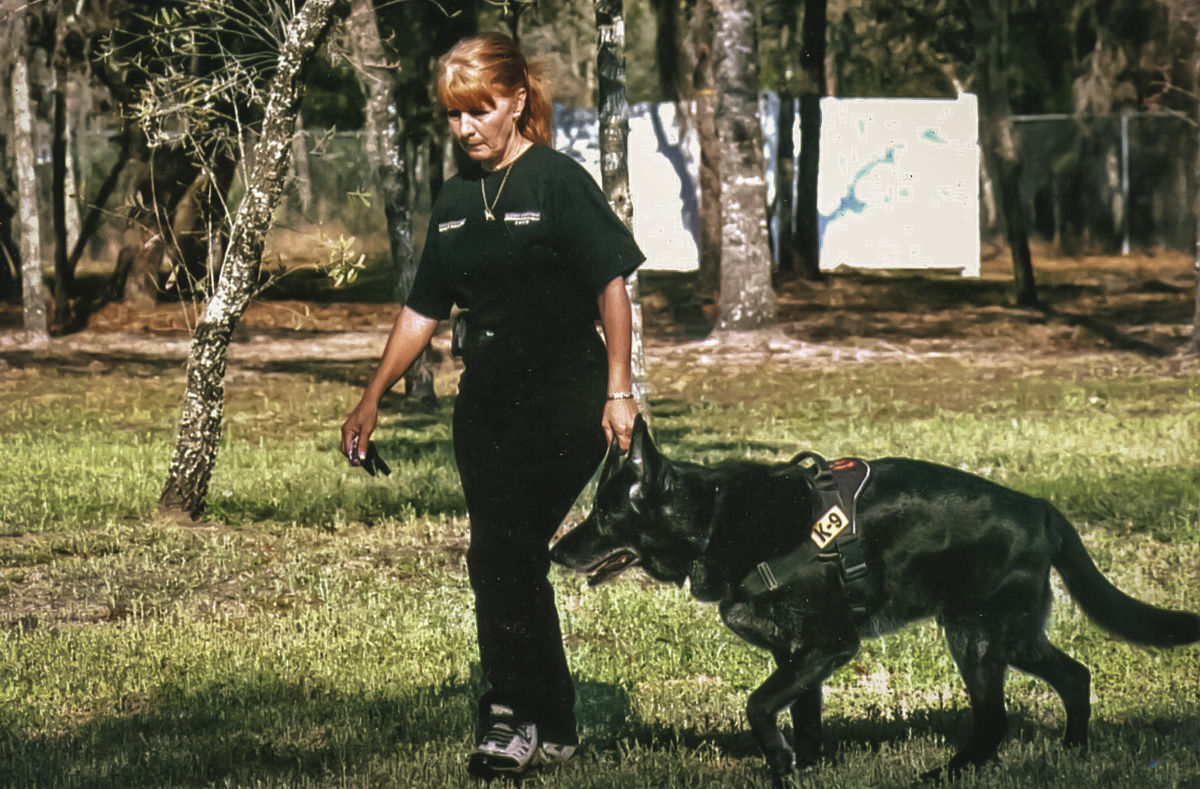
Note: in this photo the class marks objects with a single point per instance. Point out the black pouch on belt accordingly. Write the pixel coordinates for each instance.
(465, 336)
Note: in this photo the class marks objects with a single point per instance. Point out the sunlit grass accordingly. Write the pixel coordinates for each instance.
(317, 629)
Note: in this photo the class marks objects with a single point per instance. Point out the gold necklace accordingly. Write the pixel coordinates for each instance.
(487, 209)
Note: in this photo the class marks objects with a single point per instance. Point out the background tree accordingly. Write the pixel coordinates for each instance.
(614, 157)
(33, 295)
(747, 300)
(66, 42)
(387, 148)
(186, 487)
(10, 256)
(925, 49)
(999, 141)
(780, 68)
(806, 243)
(704, 120)
(1188, 11)
(175, 68)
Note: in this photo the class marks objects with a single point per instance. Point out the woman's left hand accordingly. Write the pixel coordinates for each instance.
(619, 416)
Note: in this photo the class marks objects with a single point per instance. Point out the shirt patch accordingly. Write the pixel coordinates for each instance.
(523, 217)
(451, 225)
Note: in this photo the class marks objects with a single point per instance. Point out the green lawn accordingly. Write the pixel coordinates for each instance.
(317, 629)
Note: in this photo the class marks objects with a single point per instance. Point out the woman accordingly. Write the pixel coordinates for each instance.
(525, 243)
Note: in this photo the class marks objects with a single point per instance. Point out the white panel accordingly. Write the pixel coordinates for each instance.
(899, 184)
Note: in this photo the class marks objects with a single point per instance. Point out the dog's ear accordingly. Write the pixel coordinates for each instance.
(611, 461)
(643, 455)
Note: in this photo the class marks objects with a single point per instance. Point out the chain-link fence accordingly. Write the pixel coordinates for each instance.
(1111, 183)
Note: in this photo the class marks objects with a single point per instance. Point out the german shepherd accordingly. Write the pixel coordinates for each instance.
(938, 542)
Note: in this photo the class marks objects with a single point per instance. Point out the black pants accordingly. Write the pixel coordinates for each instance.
(526, 441)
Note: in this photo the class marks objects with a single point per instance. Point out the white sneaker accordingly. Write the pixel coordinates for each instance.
(551, 753)
(507, 746)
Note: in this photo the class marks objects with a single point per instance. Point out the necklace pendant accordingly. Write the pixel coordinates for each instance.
(488, 215)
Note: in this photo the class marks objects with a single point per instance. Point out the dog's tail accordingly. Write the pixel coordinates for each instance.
(1108, 606)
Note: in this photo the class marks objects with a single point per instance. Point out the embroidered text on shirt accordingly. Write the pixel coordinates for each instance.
(523, 217)
(451, 225)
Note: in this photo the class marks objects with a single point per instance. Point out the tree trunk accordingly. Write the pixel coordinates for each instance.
(91, 221)
(614, 157)
(747, 301)
(135, 278)
(75, 124)
(9, 255)
(998, 139)
(806, 247)
(186, 487)
(785, 176)
(301, 172)
(387, 150)
(64, 273)
(1195, 344)
(33, 292)
(708, 280)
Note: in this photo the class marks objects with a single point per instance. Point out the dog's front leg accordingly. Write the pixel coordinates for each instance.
(780, 690)
(806, 723)
(806, 720)
(793, 683)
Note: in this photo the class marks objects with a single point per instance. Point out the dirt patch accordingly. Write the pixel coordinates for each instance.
(1142, 304)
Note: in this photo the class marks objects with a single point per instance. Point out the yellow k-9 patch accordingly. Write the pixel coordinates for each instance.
(829, 526)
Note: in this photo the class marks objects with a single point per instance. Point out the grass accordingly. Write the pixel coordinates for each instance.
(317, 630)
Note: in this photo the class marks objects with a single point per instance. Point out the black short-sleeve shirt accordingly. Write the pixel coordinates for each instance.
(552, 247)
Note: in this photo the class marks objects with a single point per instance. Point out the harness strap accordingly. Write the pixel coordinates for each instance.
(833, 536)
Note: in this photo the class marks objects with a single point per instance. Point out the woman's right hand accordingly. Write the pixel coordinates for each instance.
(357, 429)
(410, 334)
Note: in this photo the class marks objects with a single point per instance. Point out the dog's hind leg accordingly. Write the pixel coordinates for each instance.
(1071, 680)
(980, 657)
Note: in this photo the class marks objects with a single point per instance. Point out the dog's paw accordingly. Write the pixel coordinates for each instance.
(784, 782)
(807, 757)
(935, 776)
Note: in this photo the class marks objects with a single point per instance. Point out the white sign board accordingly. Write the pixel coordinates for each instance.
(899, 184)
(898, 187)
(662, 179)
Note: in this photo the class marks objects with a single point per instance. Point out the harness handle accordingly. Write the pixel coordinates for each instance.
(818, 467)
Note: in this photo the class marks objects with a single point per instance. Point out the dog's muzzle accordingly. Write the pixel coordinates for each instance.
(610, 567)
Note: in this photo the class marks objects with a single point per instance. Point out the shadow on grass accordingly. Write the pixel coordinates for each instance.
(1032, 747)
(244, 732)
(352, 372)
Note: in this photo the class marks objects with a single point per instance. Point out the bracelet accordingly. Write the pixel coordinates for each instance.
(621, 396)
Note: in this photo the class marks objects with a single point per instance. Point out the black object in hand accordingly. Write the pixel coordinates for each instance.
(372, 463)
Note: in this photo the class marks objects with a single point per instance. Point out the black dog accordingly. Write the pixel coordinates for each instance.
(936, 542)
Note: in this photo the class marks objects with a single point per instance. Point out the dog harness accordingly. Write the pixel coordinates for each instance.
(833, 536)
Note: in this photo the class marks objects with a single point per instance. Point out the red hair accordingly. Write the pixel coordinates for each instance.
(479, 68)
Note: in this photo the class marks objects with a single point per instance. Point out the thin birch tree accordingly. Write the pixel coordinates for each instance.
(186, 487)
(64, 273)
(33, 291)
(614, 157)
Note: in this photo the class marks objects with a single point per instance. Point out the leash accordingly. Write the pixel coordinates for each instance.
(832, 537)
